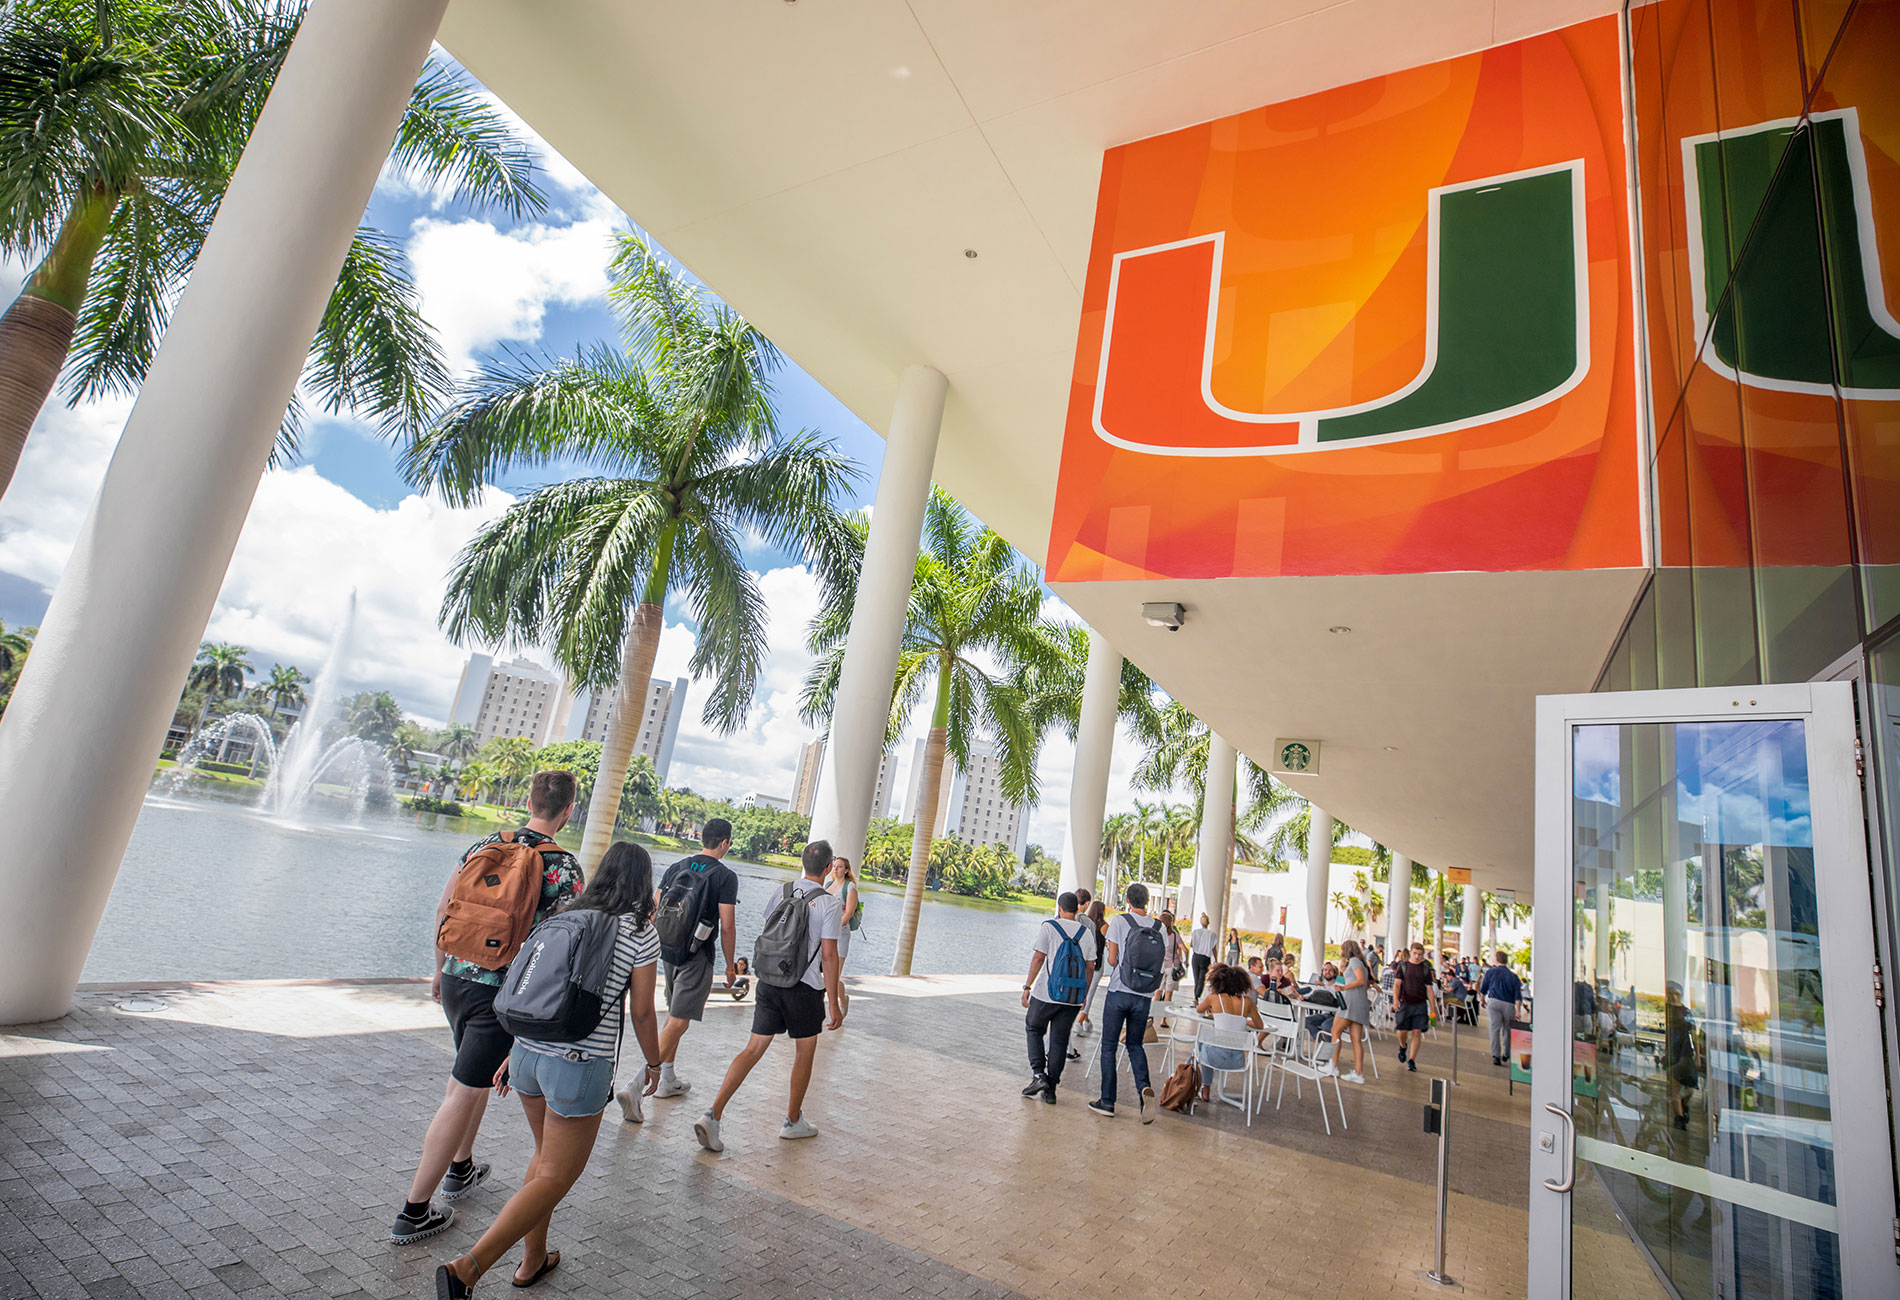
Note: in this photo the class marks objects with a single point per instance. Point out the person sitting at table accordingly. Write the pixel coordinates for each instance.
(1257, 975)
(1227, 1002)
(1280, 986)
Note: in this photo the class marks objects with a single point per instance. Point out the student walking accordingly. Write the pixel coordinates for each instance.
(1502, 991)
(1096, 915)
(1233, 947)
(1416, 990)
(1355, 1009)
(843, 885)
(1201, 946)
(698, 899)
(533, 876)
(1061, 969)
(1175, 966)
(564, 1086)
(1135, 954)
(796, 964)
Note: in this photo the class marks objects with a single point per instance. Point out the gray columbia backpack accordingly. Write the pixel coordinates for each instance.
(779, 955)
(554, 989)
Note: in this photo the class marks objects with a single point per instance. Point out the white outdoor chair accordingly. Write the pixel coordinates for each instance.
(1179, 1032)
(1311, 1064)
(1239, 1040)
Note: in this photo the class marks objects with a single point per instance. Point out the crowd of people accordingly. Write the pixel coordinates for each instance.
(1142, 958)
(540, 972)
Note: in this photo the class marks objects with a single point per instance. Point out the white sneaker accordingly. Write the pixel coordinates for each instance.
(1329, 1071)
(706, 1129)
(793, 1129)
(1353, 1077)
(629, 1099)
(673, 1088)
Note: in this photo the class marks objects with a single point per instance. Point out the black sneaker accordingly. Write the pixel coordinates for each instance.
(455, 1186)
(1101, 1107)
(408, 1230)
(1412, 1066)
(1049, 1095)
(1401, 1053)
(1035, 1086)
(1074, 1055)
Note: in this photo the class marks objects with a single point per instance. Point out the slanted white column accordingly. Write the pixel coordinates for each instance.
(1468, 927)
(1094, 745)
(1319, 872)
(85, 725)
(1214, 867)
(1398, 905)
(848, 782)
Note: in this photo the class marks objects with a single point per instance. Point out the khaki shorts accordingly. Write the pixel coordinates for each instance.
(688, 985)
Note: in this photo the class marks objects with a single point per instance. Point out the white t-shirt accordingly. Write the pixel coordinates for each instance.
(1049, 943)
(825, 922)
(1118, 936)
(1201, 942)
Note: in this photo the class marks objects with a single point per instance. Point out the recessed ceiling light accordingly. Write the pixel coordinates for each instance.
(1391, 749)
(900, 72)
(1339, 629)
(969, 252)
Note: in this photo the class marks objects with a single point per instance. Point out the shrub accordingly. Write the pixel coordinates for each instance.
(429, 803)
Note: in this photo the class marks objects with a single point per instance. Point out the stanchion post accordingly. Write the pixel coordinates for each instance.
(1454, 1047)
(1438, 1121)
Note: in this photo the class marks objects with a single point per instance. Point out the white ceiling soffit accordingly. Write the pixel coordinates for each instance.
(1423, 710)
(823, 165)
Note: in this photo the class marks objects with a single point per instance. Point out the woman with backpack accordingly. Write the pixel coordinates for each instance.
(565, 1086)
(1174, 964)
(844, 884)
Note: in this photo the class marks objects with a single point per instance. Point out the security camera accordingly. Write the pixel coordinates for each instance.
(1164, 613)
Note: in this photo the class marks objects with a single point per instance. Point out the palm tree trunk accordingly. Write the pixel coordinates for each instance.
(630, 706)
(925, 814)
(36, 332)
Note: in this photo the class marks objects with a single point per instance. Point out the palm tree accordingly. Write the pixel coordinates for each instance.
(284, 688)
(475, 779)
(15, 645)
(375, 716)
(121, 122)
(407, 741)
(975, 605)
(219, 672)
(682, 422)
(459, 742)
(511, 759)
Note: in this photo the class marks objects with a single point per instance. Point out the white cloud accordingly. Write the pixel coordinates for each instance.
(482, 286)
(52, 490)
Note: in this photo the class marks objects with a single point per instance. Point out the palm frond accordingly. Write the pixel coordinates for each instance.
(374, 352)
(151, 241)
(450, 132)
(730, 610)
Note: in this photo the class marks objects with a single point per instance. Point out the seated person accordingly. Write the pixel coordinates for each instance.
(1279, 986)
(1226, 1001)
(1256, 976)
(1458, 993)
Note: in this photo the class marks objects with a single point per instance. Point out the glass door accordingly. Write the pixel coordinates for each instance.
(1707, 1073)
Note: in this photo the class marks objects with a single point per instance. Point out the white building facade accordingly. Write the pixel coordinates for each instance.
(659, 726)
(514, 698)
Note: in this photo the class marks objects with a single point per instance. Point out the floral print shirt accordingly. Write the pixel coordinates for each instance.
(560, 882)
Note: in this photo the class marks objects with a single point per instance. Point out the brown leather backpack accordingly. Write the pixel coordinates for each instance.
(492, 901)
(1182, 1087)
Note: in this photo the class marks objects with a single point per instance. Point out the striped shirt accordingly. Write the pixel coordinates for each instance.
(632, 948)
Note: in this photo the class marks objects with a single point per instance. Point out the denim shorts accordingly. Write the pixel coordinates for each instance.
(572, 1089)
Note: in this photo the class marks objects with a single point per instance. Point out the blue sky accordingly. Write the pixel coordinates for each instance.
(342, 520)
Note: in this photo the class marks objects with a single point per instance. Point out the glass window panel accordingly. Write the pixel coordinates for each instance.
(1699, 1057)
(1720, 551)
(1685, 236)
(1675, 628)
(1658, 195)
(1642, 642)
(1856, 111)
(1757, 83)
(1820, 24)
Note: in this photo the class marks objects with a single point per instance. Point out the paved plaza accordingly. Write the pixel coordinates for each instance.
(210, 1140)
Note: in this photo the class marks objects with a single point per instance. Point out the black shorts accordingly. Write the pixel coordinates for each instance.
(481, 1044)
(1413, 1015)
(798, 1010)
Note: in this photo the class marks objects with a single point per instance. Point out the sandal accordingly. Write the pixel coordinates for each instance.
(450, 1287)
(549, 1263)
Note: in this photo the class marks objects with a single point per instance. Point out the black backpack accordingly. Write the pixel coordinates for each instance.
(1143, 955)
(682, 905)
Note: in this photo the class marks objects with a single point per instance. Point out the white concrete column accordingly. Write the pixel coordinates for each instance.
(1468, 927)
(1094, 746)
(1214, 867)
(86, 723)
(1398, 905)
(1319, 873)
(848, 782)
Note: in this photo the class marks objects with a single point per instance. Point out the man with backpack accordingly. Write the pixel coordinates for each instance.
(1415, 990)
(1060, 968)
(1137, 951)
(505, 886)
(800, 978)
(697, 900)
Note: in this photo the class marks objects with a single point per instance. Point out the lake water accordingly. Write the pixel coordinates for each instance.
(214, 890)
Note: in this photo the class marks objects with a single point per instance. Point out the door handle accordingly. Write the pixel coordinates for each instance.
(1570, 1150)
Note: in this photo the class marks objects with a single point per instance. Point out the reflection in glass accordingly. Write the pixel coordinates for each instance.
(1700, 1071)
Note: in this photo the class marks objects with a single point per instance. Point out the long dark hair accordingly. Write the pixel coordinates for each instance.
(622, 884)
(1098, 915)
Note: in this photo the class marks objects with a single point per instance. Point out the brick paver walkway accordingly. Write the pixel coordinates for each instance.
(255, 1139)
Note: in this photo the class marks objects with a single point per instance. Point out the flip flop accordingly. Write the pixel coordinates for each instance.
(548, 1265)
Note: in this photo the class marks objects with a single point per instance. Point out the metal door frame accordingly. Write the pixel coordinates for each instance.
(1856, 1073)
